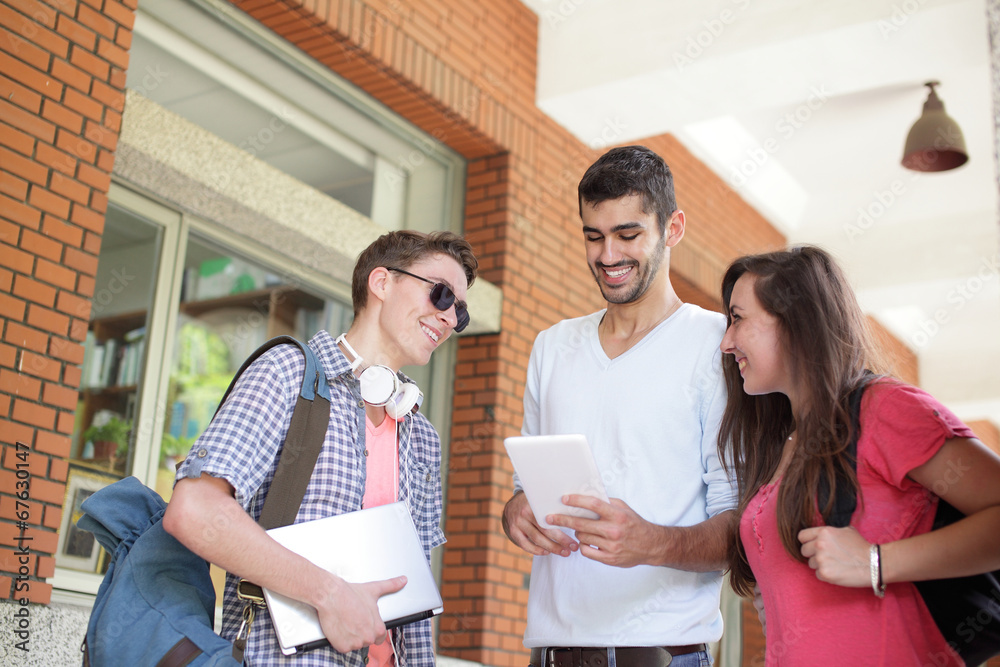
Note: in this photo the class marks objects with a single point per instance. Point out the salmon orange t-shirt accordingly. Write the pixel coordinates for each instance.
(382, 473)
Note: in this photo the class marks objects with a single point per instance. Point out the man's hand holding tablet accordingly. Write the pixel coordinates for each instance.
(550, 468)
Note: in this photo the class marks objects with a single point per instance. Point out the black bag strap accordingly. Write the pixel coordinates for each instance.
(846, 501)
(304, 441)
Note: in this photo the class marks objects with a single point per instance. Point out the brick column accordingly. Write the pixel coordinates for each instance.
(62, 97)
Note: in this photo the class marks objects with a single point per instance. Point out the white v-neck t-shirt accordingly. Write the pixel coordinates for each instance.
(651, 416)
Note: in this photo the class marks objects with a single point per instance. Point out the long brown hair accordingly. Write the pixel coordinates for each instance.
(827, 340)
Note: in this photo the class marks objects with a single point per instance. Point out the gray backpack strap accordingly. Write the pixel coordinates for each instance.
(304, 440)
(303, 443)
(299, 452)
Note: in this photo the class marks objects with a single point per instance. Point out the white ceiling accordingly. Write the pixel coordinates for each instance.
(803, 107)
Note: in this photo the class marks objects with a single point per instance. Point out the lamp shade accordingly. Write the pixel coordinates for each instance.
(935, 142)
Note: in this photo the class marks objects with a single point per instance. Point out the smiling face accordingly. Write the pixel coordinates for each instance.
(413, 327)
(624, 246)
(754, 339)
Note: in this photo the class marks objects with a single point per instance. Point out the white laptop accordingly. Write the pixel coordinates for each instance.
(552, 466)
(366, 545)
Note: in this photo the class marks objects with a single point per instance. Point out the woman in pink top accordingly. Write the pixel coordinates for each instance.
(795, 348)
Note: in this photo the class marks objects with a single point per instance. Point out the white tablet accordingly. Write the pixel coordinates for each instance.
(552, 466)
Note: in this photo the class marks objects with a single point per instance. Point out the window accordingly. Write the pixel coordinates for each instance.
(112, 375)
(193, 276)
(115, 347)
(229, 306)
(175, 312)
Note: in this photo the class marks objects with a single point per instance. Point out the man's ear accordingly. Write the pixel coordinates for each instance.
(378, 281)
(675, 228)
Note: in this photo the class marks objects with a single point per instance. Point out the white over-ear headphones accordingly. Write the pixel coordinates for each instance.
(380, 386)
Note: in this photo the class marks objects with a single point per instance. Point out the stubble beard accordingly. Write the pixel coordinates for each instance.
(645, 274)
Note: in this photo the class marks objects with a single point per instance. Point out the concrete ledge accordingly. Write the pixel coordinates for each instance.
(184, 164)
(55, 633)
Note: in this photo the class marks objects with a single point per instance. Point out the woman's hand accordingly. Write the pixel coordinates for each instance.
(839, 555)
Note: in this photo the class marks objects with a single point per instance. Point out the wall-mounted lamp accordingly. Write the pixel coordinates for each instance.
(935, 142)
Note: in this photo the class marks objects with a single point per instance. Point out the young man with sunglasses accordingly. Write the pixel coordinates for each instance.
(408, 291)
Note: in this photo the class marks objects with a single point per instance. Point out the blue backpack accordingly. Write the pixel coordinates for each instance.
(156, 604)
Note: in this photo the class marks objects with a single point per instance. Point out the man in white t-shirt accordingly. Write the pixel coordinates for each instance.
(640, 585)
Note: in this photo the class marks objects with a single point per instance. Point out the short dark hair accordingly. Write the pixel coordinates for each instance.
(631, 170)
(402, 249)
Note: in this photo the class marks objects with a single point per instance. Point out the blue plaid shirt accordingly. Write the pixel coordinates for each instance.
(242, 444)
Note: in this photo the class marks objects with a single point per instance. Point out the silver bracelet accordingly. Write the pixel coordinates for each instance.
(875, 569)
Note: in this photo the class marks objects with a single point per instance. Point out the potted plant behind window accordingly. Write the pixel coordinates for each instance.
(110, 439)
(173, 448)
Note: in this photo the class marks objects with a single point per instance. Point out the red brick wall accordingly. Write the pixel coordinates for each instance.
(900, 360)
(61, 100)
(753, 636)
(988, 432)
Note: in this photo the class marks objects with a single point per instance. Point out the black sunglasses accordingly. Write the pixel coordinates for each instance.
(443, 298)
